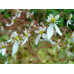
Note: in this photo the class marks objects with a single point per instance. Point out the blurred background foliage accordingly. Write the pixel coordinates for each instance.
(39, 12)
(47, 55)
(54, 12)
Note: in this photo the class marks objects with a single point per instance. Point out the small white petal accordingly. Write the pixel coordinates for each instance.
(70, 15)
(15, 47)
(36, 31)
(52, 42)
(9, 40)
(8, 24)
(72, 35)
(45, 38)
(50, 31)
(37, 39)
(51, 16)
(29, 34)
(57, 17)
(40, 28)
(26, 39)
(44, 28)
(69, 22)
(3, 51)
(44, 35)
(14, 34)
(48, 20)
(32, 13)
(58, 30)
(48, 17)
(25, 30)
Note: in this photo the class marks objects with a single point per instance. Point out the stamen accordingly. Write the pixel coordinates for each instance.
(53, 20)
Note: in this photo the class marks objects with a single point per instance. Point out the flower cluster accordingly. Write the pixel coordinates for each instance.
(69, 21)
(52, 26)
(42, 32)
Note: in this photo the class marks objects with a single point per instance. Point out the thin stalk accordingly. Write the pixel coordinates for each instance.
(34, 52)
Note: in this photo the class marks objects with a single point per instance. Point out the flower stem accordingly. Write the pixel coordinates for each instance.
(34, 52)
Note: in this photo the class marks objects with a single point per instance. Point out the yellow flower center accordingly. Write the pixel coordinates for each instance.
(26, 35)
(53, 20)
(16, 38)
(41, 32)
(13, 20)
(3, 46)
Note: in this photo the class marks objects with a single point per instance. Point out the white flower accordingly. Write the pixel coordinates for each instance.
(27, 34)
(14, 38)
(18, 13)
(12, 21)
(69, 20)
(53, 21)
(3, 48)
(40, 33)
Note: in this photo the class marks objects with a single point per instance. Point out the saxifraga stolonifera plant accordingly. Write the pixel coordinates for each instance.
(39, 32)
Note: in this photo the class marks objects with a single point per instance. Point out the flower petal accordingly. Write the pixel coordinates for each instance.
(14, 34)
(50, 31)
(70, 15)
(9, 40)
(37, 39)
(45, 38)
(52, 42)
(44, 28)
(3, 51)
(25, 30)
(67, 23)
(48, 20)
(44, 35)
(15, 47)
(26, 39)
(57, 17)
(58, 30)
(36, 31)
(51, 16)
(29, 34)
